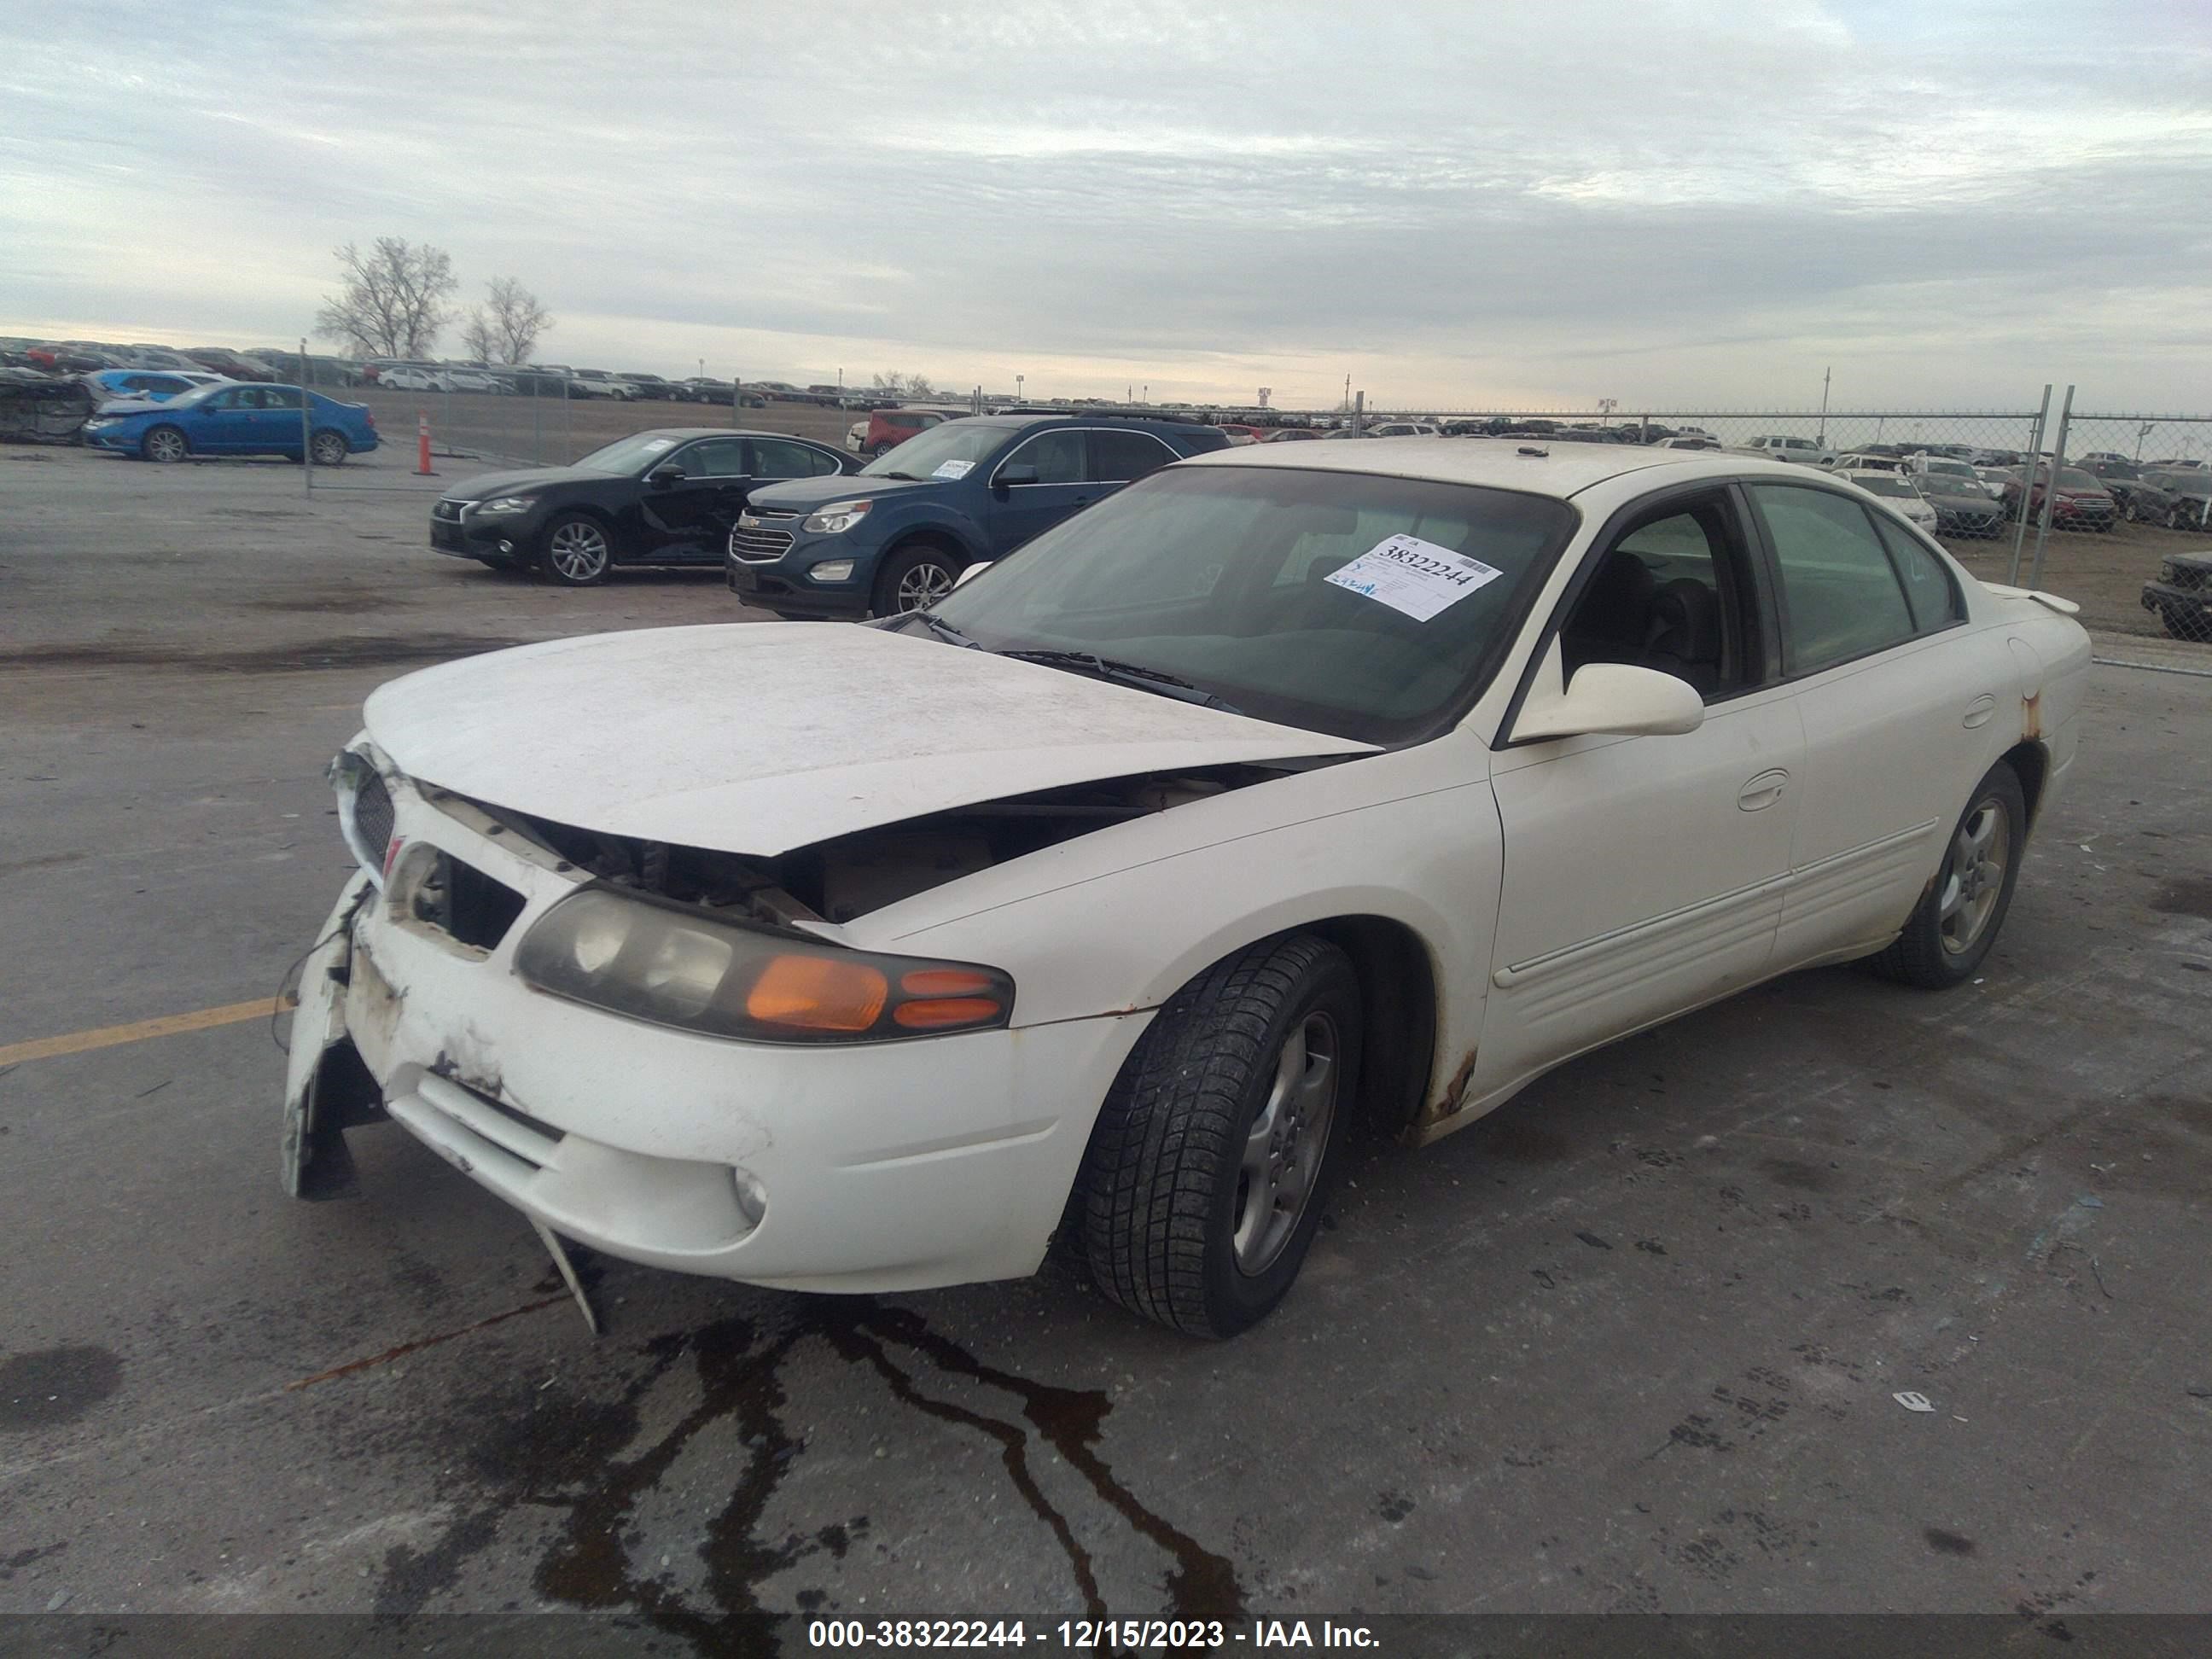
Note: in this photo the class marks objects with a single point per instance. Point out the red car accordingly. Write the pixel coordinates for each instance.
(2081, 503)
(234, 364)
(889, 428)
(1284, 434)
(1257, 435)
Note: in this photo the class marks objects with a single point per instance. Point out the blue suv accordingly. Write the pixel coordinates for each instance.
(896, 536)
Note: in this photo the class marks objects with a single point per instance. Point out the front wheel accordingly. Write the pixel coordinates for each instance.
(915, 578)
(577, 551)
(1956, 921)
(1211, 1161)
(165, 444)
(329, 448)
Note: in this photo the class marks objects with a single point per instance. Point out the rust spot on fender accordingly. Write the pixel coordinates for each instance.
(1454, 1097)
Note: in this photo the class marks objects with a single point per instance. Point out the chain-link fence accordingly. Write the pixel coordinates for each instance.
(2125, 530)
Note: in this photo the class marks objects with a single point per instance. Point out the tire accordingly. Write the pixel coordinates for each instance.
(329, 448)
(166, 444)
(1956, 921)
(2130, 512)
(917, 575)
(577, 550)
(1186, 1217)
(2171, 624)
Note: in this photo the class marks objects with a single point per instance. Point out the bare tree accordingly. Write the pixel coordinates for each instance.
(505, 328)
(900, 384)
(394, 299)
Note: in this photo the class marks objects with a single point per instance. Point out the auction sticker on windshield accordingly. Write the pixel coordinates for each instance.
(953, 469)
(1415, 577)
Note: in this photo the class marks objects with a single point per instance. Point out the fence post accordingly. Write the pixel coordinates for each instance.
(537, 424)
(2050, 490)
(2027, 488)
(306, 428)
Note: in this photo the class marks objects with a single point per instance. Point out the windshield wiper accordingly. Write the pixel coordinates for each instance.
(908, 476)
(1128, 673)
(943, 630)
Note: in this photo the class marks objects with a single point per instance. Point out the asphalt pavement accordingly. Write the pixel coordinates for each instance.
(1629, 1344)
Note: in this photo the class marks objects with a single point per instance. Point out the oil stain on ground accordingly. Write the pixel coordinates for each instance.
(50, 1387)
(580, 1462)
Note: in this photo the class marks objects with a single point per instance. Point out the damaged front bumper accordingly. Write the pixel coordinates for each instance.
(866, 1168)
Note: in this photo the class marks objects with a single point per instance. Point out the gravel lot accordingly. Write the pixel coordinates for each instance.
(1629, 1344)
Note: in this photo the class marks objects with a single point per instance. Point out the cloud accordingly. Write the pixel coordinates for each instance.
(1673, 201)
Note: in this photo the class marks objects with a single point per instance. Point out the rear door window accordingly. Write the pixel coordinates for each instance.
(1123, 457)
(1842, 598)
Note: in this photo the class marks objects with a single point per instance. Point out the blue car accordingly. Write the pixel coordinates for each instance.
(234, 419)
(896, 536)
(150, 385)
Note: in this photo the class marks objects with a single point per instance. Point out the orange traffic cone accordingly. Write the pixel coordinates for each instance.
(422, 445)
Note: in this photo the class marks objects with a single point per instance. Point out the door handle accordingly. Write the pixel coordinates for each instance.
(1979, 710)
(1763, 791)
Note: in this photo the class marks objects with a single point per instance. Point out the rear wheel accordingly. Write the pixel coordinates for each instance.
(329, 448)
(1211, 1161)
(1956, 921)
(578, 551)
(166, 444)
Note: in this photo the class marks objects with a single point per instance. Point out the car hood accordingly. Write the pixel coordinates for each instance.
(805, 495)
(760, 737)
(485, 485)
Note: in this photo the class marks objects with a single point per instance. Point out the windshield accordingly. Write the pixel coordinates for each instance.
(964, 444)
(1949, 469)
(628, 454)
(1881, 483)
(1242, 580)
(198, 394)
(2074, 478)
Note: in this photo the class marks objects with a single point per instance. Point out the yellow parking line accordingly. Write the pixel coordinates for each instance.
(108, 1036)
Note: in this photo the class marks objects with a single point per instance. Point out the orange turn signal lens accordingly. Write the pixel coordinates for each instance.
(942, 1014)
(945, 982)
(817, 993)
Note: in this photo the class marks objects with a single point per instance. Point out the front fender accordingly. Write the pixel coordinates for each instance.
(933, 518)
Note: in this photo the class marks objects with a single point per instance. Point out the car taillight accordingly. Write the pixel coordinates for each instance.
(369, 415)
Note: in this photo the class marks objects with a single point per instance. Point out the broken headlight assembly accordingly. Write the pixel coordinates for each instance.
(672, 964)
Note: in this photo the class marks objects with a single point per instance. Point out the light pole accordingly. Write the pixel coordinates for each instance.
(2142, 432)
(1019, 378)
(1822, 438)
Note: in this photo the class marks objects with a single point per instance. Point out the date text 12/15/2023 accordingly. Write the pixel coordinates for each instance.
(1087, 1635)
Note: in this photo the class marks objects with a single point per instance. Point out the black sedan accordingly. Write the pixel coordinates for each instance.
(664, 497)
(1964, 506)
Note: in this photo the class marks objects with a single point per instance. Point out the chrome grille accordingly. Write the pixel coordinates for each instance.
(759, 546)
(449, 511)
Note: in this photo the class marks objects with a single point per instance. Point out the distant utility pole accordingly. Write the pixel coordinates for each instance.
(1606, 405)
(2142, 432)
(1019, 378)
(1822, 438)
(1266, 391)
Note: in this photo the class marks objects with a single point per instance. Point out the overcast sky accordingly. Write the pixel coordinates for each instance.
(1458, 205)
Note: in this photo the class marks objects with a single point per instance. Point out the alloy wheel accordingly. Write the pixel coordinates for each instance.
(579, 550)
(1283, 1148)
(165, 445)
(1974, 875)
(923, 585)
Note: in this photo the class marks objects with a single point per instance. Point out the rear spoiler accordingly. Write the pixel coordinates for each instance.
(2049, 601)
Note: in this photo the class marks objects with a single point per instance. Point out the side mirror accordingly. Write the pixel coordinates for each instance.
(1608, 696)
(661, 476)
(970, 573)
(1008, 476)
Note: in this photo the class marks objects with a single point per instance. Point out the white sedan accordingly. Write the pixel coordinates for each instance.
(413, 380)
(1285, 786)
(1898, 491)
